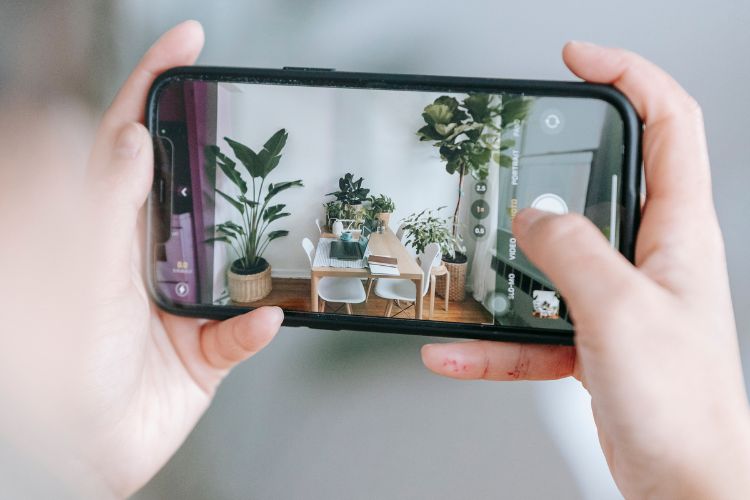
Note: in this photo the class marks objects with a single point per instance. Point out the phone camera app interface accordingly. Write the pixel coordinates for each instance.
(379, 203)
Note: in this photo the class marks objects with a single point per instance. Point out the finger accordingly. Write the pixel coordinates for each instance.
(576, 256)
(499, 360)
(225, 344)
(677, 171)
(121, 186)
(675, 152)
(179, 46)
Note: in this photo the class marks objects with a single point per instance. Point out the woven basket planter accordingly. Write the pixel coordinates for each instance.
(457, 292)
(244, 288)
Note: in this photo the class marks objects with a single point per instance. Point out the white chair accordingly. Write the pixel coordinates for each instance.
(400, 232)
(345, 291)
(404, 290)
(320, 227)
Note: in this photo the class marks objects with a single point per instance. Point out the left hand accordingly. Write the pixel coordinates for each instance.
(154, 374)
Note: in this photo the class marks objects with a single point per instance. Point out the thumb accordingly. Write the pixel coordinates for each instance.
(120, 180)
(578, 259)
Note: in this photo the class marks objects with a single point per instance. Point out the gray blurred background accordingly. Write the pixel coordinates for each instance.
(355, 415)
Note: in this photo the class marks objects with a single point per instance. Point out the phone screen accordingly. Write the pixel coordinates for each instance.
(373, 203)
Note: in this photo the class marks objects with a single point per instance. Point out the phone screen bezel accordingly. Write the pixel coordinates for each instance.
(629, 189)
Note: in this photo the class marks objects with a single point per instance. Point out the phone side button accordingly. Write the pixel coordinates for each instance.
(302, 68)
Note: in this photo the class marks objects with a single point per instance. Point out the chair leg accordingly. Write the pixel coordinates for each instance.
(348, 308)
(433, 282)
(370, 281)
(322, 307)
(389, 309)
(447, 288)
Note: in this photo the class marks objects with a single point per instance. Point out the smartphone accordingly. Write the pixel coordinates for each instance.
(379, 202)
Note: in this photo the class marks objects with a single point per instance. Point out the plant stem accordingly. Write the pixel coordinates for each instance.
(458, 203)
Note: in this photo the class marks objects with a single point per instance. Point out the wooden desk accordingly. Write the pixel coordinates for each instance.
(380, 244)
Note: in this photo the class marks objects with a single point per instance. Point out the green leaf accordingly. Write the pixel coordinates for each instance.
(234, 227)
(247, 156)
(515, 108)
(272, 210)
(478, 106)
(505, 161)
(274, 189)
(428, 133)
(276, 143)
(239, 206)
(222, 239)
(277, 234)
(507, 143)
(444, 129)
(276, 216)
(215, 157)
(435, 114)
(250, 203)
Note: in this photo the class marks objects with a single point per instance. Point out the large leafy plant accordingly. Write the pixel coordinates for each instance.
(469, 134)
(427, 226)
(251, 237)
(350, 191)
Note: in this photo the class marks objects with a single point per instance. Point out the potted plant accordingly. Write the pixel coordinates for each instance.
(427, 227)
(249, 275)
(381, 207)
(468, 135)
(334, 210)
(351, 195)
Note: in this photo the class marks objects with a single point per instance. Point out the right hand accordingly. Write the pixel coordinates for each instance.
(655, 343)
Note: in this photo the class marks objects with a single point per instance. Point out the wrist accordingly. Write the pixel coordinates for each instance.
(719, 468)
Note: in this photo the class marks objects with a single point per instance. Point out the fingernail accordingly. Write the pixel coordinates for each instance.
(579, 45)
(279, 312)
(584, 44)
(527, 218)
(129, 142)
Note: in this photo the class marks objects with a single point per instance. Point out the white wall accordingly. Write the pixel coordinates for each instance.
(371, 134)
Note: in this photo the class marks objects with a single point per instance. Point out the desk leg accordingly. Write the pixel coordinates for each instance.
(314, 293)
(418, 303)
(433, 281)
(447, 288)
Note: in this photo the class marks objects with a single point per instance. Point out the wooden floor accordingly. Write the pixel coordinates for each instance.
(294, 295)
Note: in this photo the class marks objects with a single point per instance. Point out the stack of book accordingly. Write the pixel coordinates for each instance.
(382, 265)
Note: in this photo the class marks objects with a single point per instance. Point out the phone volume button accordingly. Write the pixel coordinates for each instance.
(303, 68)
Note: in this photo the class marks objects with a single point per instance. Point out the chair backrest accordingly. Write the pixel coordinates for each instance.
(309, 249)
(320, 227)
(400, 232)
(428, 259)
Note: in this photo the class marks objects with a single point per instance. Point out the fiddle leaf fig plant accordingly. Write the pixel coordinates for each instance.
(468, 134)
(250, 238)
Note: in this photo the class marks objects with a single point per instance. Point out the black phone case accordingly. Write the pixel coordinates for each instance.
(630, 188)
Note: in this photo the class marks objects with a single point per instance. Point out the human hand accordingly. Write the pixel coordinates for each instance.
(154, 374)
(655, 343)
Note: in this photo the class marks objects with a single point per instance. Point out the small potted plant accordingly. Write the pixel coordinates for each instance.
(427, 227)
(381, 207)
(249, 275)
(334, 211)
(351, 195)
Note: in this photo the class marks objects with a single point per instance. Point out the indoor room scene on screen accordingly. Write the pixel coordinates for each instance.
(380, 203)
